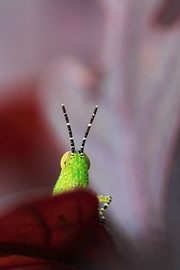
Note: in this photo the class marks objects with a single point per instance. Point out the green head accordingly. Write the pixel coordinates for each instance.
(75, 163)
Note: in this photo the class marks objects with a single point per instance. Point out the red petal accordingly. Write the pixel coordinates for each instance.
(62, 228)
(29, 156)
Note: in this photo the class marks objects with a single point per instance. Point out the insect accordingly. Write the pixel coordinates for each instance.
(74, 168)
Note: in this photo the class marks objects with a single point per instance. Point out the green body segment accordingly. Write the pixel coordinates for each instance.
(74, 173)
(75, 166)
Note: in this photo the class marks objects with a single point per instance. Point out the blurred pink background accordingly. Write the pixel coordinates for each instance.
(123, 56)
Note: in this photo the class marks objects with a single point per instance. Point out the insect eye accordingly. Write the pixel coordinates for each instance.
(64, 159)
(87, 160)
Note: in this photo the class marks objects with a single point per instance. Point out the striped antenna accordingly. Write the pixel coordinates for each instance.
(87, 130)
(69, 129)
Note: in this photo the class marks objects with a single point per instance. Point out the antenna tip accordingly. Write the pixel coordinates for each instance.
(96, 108)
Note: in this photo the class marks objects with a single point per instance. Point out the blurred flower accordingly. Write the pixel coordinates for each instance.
(121, 55)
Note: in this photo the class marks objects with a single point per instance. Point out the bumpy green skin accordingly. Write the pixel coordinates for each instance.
(74, 173)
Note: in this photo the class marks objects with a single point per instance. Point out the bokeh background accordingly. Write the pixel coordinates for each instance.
(124, 57)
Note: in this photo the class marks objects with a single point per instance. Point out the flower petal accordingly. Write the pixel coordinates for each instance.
(63, 228)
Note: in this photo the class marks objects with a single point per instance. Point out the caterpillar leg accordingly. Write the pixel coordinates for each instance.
(107, 200)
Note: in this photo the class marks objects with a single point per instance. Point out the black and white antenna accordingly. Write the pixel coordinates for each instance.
(69, 129)
(87, 130)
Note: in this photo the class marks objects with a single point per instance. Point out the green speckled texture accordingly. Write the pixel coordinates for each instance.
(74, 173)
